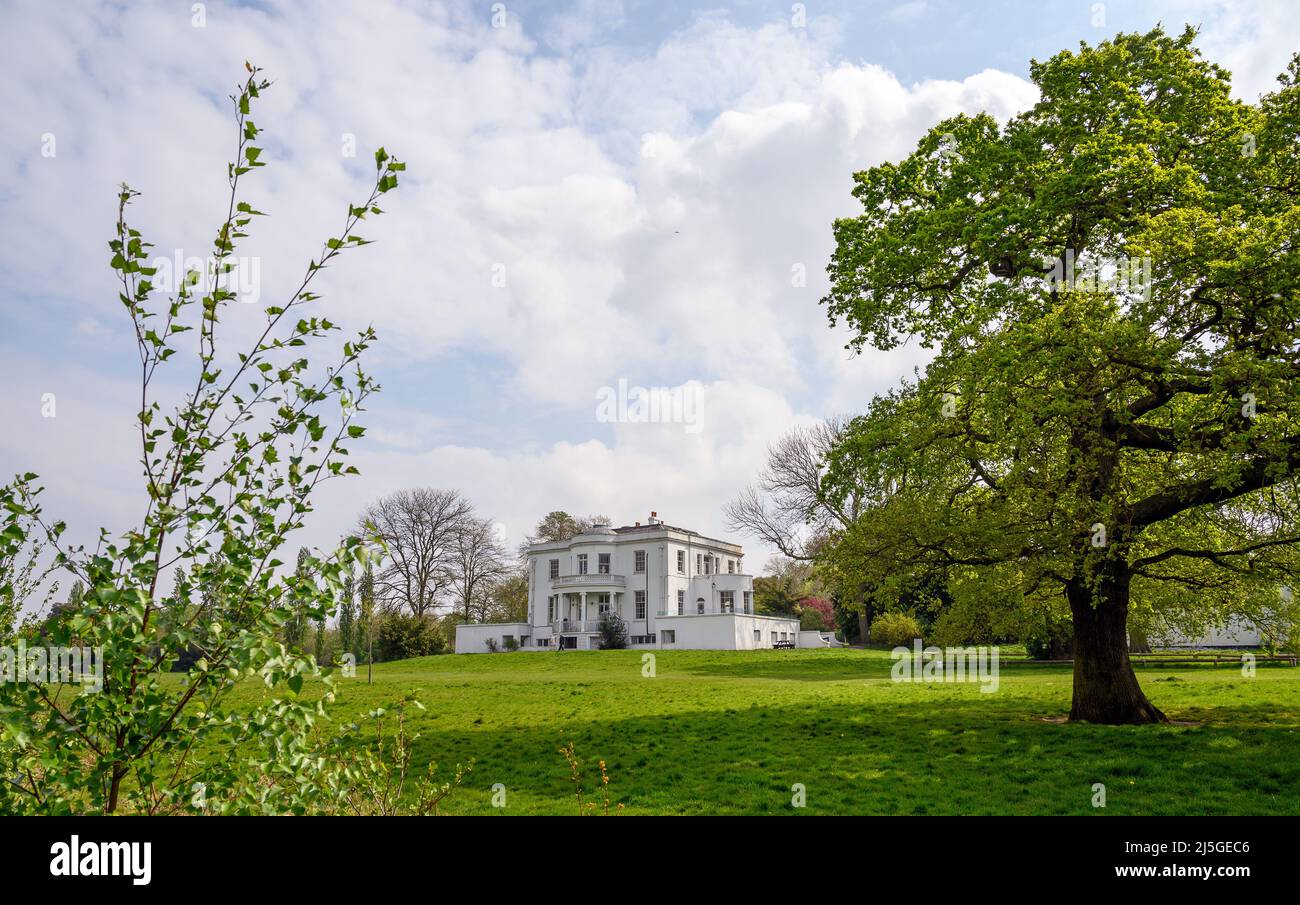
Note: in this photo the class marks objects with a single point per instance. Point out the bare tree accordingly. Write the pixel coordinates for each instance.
(420, 530)
(785, 508)
(478, 561)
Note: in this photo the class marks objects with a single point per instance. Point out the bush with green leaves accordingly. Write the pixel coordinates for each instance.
(228, 474)
(1049, 638)
(894, 629)
(400, 636)
(613, 632)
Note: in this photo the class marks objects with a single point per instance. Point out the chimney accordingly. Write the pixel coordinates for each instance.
(653, 515)
(638, 524)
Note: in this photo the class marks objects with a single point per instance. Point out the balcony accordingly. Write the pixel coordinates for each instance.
(575, 626)
(590, 580)
(737, 611)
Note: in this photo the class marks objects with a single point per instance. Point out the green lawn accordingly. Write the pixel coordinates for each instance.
(732, 732)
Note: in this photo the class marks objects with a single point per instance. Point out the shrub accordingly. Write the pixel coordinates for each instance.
(228, 471)
(894, 629)
(1051, 639)
(613, 632)
(402, 635)
(511, 643)
(816, 614)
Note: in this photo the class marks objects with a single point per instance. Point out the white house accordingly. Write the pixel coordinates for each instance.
(1236, 632)
(674, 588)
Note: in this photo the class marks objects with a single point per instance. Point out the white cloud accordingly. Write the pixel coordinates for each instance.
(647, 209)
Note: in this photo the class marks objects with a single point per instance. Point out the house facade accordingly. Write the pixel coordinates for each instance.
(674, 589)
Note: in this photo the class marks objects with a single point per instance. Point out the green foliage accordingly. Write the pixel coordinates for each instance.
(811, 620)
(979, 607)
(365, 634)
(377, 780)
(894, 629)
(347, 617)
(24, 565)
(1049, 639)
(509, 599)
(613, 632)
(402, 635)
(295, 627)
(1102, 440)
(228, 475)
(786, 585)
(556, 526)
(559, 525)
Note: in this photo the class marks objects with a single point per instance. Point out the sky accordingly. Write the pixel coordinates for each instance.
(598, 194)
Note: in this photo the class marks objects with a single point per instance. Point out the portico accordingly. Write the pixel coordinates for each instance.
(672, 588)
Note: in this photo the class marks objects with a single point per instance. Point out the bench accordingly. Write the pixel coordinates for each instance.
(780, 644)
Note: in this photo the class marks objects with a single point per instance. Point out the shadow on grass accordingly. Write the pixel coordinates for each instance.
(796, 666)
(943, 756)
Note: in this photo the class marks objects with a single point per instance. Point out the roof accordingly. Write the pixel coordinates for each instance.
(624, 530)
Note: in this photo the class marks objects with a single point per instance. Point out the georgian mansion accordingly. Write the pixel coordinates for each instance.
(674, 589)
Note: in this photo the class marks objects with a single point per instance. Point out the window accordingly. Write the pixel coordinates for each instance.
(642, 639)
(602, 565)
(699, 605)
(555, 569)
(708, 565)
(640, 605)
(603, 606)
(543, 642)
(582, 563)
(640, 561)
(681, 603)
(550, 609)
(758, 636)
(774, 637)
(699, 563)
(749, 601)
(731, 567)
(728, 601)
(681, 561)
(669, 636)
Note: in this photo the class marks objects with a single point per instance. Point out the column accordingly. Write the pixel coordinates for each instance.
(584, 610)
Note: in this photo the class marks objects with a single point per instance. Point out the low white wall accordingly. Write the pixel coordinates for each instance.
(472, 638)
(723, 631)
(1238, 632)
(818, 639)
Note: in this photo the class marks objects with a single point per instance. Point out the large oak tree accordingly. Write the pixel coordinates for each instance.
(1101, 440)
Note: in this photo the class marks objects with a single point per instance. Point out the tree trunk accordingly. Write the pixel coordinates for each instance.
(1106, 689)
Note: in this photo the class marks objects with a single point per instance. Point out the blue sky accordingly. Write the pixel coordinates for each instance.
(647, 178)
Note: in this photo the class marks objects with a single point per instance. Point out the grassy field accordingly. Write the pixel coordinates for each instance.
(731, 732)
